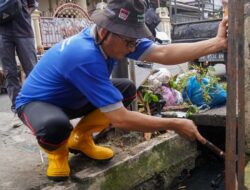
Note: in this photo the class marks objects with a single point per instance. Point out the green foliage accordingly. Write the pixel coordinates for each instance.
(179, 83)
(224, 85)
(191, 110)
(149, 97)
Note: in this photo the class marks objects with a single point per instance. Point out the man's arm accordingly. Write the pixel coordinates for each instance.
(182, 52)
(135, 121)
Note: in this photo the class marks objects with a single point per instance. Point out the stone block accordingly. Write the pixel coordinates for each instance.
(162, 157)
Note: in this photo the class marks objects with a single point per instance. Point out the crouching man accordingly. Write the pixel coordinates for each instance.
(72, 80)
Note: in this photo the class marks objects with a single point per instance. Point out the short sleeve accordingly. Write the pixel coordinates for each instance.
(143, 47)
(92, 80)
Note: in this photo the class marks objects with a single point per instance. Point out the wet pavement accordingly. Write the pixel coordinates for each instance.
(20, 160)
(4, 103)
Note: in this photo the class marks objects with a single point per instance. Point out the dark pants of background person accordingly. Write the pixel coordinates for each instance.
(50, 124)
(26, 52)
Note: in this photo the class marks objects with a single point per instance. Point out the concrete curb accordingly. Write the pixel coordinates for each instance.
(167, 154)
(22, 168)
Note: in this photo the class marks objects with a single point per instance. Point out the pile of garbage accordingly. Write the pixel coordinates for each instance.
(192, 91)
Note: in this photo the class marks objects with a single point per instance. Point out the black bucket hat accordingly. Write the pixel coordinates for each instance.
(124, 17)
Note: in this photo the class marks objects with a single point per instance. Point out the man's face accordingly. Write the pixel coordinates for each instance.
(130, 42)
(119, 46)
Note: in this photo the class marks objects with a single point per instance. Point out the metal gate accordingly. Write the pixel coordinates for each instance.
(68, 19)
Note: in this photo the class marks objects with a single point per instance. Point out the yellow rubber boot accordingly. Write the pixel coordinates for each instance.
(81, 139)
(58, 165)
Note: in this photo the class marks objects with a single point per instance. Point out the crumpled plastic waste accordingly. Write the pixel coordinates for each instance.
(171, 96)
(162, 76)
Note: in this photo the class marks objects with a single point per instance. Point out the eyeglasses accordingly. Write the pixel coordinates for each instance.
(129, 43)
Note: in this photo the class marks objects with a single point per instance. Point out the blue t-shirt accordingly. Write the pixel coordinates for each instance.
(75, 72)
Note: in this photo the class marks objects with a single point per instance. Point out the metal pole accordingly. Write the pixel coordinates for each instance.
(213, 8)
(202, 10)
(121, 69)
(241, 92)
(175, 12)
(134, 105)
(231, 105)
(199, 5)
(170, 11)
(235, 129)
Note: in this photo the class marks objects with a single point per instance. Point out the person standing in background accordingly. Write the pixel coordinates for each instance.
(16, 36)
(151, 18)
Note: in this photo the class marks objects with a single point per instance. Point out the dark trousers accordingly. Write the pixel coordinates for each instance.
(26, 52)
(51, 124)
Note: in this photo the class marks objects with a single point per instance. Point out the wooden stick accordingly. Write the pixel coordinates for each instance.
(215, 149)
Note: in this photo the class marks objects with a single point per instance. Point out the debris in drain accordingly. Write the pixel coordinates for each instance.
(163, 92)
(182, 188)
(215, 184)
(208, 174)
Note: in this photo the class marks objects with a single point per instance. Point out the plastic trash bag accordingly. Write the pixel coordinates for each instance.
(172, 97)
(193, 92)
(162, 76)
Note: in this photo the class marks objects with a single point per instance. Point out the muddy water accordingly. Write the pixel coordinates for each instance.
(208, 176)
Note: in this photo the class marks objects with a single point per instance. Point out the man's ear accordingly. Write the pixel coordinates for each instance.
(102, 33)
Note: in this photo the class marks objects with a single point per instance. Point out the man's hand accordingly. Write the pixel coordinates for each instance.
(188, 130)
(223, 32)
